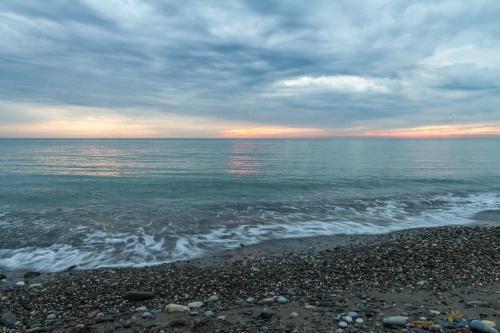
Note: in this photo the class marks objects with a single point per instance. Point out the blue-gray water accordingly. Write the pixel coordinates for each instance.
(138, 202)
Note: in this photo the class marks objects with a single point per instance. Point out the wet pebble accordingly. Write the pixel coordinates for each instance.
(147, 315)
(9, 319)
(266, 313)
(138, 295)
(281, 300)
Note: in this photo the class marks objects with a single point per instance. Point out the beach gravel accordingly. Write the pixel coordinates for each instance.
(416, 277)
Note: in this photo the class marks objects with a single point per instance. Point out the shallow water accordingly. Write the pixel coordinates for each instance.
(139, 202)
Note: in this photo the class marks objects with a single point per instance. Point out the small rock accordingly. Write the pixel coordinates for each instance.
(209, 313)
(9, 319)
(483, 326)
(309, 307)
(477, 304)
(177, 308)
(195, 305)
(353, 314)
(266, 313)
(221, 318)
(34, 285)
(343, 324)
(281, 300)
(359, 321)
(147, 315)
(250, 300)
(347, 319)
(213, 298)
(138, 295)
(51, 317)
(30, 275)
(141, 309)
(294, 314)
(268, 300)
(20, 284)
(398, 321)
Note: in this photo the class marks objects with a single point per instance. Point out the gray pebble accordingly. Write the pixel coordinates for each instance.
(9, 319)
(266, 313)
(147, 315)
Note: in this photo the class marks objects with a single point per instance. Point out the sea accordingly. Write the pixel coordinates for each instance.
(138, 202)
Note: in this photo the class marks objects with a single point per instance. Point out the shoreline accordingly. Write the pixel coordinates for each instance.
(274, 247)
(321, 278)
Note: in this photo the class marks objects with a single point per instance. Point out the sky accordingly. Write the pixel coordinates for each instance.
(158, 68)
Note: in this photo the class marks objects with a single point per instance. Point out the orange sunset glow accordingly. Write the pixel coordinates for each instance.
(274, 132)
(439, 131)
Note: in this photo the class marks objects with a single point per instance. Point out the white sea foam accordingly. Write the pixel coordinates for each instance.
(100, 248)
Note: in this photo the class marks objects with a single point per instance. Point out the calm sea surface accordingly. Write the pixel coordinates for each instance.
(139, 202)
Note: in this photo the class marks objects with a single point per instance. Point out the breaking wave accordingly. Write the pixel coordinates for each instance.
(98, 248)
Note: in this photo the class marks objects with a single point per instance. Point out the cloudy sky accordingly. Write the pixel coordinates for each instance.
(134, 68)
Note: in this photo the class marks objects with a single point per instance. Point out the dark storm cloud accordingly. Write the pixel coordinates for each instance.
(327, 64)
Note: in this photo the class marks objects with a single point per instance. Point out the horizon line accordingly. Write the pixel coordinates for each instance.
(262, 138)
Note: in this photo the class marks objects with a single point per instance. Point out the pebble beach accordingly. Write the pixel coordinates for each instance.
(419, 280)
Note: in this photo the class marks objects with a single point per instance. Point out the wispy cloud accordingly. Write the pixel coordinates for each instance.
(341, 84)
(332, 66)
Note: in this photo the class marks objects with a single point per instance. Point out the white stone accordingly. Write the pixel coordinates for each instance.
(195, 305)
(177, 308)
(395, 321)
(20, 284)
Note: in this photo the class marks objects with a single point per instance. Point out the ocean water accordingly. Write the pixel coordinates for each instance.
(99, 203)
